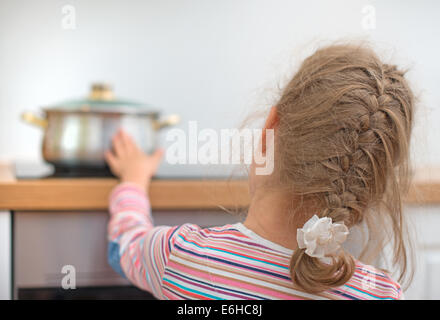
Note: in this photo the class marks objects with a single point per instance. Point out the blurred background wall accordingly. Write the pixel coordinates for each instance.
(210, 61)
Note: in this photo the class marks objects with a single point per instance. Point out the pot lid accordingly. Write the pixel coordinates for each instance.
(100, 99)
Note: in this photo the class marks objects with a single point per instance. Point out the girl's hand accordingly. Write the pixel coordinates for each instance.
(130, 163)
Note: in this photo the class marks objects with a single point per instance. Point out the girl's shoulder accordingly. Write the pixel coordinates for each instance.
(194, 228)
(369, 282)
(191, 233)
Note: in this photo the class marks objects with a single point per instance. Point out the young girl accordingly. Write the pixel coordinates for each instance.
(342, 129)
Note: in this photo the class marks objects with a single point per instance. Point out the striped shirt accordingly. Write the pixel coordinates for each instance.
(226, 262)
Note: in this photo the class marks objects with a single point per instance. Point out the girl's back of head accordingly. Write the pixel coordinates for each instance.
(343, 135)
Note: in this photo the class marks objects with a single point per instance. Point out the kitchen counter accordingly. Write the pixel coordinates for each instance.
(80, 194)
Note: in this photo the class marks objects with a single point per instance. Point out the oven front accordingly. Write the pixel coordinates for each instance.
(63, 255)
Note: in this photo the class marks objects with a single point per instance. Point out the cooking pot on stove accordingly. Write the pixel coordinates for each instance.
(78, 132)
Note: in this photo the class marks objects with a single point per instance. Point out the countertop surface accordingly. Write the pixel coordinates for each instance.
(82, 194)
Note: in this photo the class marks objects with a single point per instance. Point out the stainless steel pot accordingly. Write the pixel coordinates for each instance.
(77, 133)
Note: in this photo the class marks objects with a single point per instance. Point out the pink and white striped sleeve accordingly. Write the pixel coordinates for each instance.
(138, 249)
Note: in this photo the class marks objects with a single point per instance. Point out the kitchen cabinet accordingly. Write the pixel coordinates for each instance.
(424, 223)
(59, 222)
(6, 176)
(5, 255)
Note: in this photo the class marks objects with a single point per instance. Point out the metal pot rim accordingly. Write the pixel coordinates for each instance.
(103, 111)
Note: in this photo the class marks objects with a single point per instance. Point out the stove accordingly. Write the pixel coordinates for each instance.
(45, 242)
(43, 170)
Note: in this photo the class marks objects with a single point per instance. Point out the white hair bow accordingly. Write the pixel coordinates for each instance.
(321, 237)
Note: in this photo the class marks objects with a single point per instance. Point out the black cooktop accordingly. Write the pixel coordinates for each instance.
(41, 170)
(25, 170)
(70, 172)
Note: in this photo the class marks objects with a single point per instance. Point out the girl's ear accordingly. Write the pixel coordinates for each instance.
(271, 123)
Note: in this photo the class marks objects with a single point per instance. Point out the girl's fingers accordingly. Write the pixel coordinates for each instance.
(156, 158)
(118, 144)
(128, 141)
(111, 161)
(158, 154)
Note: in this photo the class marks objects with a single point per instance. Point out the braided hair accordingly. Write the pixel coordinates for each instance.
(345, 122)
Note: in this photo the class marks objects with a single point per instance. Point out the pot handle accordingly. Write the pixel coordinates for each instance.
(31, 118)
(171, 120)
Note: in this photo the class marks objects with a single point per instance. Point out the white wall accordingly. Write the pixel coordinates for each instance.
(212, 61)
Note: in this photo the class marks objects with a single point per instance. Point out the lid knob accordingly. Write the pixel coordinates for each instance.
(101, 91)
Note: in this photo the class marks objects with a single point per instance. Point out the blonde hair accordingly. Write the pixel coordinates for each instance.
(345, 121)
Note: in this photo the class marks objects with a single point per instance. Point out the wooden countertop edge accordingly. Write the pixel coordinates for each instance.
(91, 194)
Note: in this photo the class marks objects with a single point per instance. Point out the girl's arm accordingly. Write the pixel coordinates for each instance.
(137, 249)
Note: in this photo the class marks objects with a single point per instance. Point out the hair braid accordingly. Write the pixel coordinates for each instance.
(345, 123)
